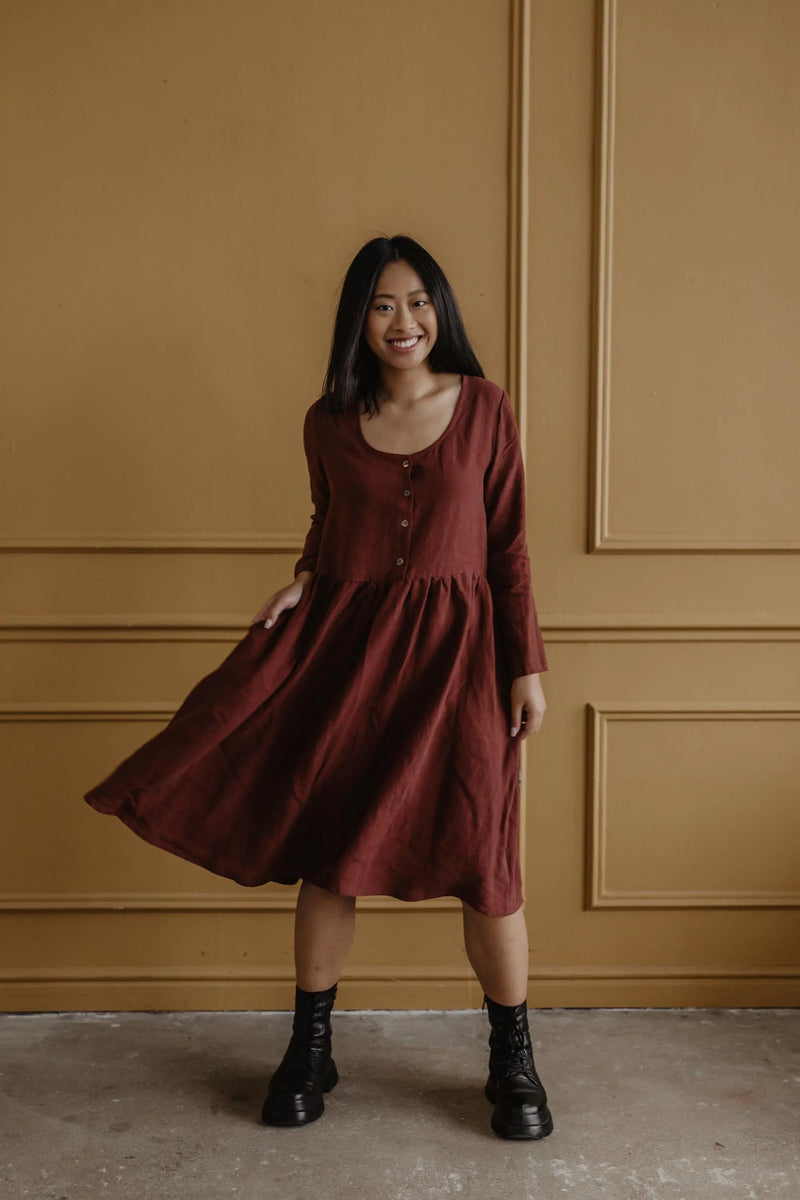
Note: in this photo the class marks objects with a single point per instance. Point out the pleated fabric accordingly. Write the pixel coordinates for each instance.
(362, 742)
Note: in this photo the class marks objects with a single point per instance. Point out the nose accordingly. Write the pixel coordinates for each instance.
(404, 326)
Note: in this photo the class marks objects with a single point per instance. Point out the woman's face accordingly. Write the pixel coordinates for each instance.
(401, 311)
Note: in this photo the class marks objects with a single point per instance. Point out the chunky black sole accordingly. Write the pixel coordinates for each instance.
(282, 1108)
(514, 1121)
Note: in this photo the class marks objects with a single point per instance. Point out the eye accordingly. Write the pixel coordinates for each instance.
(420, 301)
(378, 307)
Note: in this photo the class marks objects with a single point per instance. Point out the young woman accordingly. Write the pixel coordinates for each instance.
(364, 736)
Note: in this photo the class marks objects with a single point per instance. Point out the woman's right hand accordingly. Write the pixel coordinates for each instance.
(286, 597)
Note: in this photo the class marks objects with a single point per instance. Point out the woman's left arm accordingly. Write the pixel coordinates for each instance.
(527, 706)
(509, 573)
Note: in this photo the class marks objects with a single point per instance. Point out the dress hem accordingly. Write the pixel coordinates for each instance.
(128, 818)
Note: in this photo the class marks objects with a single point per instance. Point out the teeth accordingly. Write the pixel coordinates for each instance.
(407, 342)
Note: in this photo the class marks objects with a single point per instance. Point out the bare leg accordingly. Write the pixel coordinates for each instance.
(324, 924)
(497, 948)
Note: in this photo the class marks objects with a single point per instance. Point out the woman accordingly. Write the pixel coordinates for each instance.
(364, 735)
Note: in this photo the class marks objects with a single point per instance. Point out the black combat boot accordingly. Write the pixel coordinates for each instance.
(294, 1094)
(513, 1086)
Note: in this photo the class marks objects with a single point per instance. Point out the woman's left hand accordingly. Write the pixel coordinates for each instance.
(527, 706)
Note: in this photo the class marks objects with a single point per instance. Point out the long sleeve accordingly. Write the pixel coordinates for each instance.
(508, 563)
(320, 495)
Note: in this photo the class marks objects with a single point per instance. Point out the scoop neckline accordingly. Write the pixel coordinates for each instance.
(413, 453)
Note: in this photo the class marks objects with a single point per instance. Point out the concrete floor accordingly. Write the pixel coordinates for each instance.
(662, 1104)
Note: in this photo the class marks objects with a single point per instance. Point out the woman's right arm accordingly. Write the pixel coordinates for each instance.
(320, 497)
(305, 567)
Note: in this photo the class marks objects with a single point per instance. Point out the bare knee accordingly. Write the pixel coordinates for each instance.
(325, 895)
(475, 914)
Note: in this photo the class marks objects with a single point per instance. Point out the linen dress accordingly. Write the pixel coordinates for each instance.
(362, 742)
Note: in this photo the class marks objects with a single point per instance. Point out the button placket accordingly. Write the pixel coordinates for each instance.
(404, 523)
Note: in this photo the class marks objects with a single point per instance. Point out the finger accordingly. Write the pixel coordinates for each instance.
(536, 723)
(516, 717)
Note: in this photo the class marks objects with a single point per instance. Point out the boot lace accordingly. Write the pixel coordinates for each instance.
(516, 1058)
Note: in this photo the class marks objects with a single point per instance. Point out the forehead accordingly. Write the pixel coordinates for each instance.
(398, 279)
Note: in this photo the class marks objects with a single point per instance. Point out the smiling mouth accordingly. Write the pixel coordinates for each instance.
(404, 343)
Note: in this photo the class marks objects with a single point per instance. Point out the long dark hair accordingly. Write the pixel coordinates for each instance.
(353, 373)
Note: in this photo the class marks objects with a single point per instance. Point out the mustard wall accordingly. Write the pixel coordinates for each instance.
(611, 189)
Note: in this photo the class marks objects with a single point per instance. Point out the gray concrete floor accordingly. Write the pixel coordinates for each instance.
(662, 1104)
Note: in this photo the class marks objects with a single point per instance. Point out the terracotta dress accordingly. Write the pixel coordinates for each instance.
(362, 741)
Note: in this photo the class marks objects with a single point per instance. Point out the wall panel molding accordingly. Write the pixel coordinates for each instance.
(168, 627)
(356, 974)
(599, 894)
(228, 629)
(518, 255)
(199, 902)
(601, 537)
(256, 901)
(157, 543)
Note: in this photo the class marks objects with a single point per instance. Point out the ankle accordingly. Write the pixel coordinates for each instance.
(505, 1002)
(316, 989)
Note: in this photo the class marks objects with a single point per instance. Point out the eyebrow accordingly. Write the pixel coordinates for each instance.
(389, 296)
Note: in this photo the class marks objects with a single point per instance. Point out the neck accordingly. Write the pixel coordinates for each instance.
(403, 389)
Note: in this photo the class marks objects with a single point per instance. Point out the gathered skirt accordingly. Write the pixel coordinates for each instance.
(361, 743)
